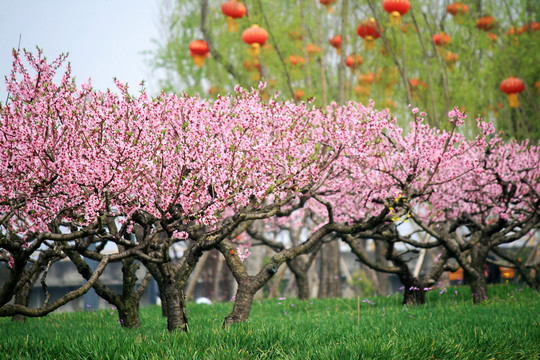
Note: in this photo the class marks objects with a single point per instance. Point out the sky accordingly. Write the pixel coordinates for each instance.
(104, 38)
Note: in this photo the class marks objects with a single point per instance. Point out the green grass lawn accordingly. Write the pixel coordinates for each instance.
(448, 327)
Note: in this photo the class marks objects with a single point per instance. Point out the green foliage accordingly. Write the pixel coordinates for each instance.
(472, 83)
(448, 327)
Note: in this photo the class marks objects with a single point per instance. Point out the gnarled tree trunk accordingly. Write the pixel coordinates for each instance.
(330, 279)
(478, 285)
(176, 307)
(242, 303)
(22, 297)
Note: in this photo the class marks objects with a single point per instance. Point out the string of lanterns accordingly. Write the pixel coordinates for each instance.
(369, 30)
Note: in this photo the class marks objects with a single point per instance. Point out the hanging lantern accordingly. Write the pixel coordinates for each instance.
(328, 4)
(354, 61)
(486, 23)
(298, 94)
(297, 60)
(533, 26)
(233, 10)
(457, 9)
(441, 39)
(451, 59)
(416, 83)
(417, 86)
(198, 49)
(362, 91)
(296, 35)
(336, 42)
(369, 31)
(313, 49)
(366, 78)
(512, 86)
(396, 9)
(514, 31)
(255, 36)
(408, 27)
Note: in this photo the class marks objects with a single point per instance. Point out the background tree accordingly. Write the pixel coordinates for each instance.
(405, 65)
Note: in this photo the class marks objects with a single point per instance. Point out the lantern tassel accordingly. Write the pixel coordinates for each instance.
(395, 18)
(254, 50)
(232, 25)
(513, 99)
(329, 9)
(199, 60)
(369, 43)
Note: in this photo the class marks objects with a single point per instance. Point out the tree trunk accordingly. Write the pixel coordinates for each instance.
(174, 302)
(330, 280)
(380, 259)
(21, 298)
(128, 313)
(163, 304)
(475, 274)
(302, 282)
(301, 276)
(478, 285)
(414, 295)
(242, 303)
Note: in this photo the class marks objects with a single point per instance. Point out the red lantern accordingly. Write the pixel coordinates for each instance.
(233, 10)
(451, 59)
(312, 49)
(457, 8)
(533, 26)
(396, 9)
(486, 23)
(366, 78)
(512, 86)
(298, 94)
(441, 39)
(336, 42)
(198, 49)
(297, 60)
(256, 37)
(328, 4)
(354, 61)
(369, 31)
(416, 83)
(362, 91)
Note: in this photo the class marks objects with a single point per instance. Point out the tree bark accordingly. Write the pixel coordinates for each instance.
(380, 258)
(175, 308)
(330, 285)
(128, 314)
(242, 303)
(302, 282)
(478, 284)
(414, 294)
(22, 297)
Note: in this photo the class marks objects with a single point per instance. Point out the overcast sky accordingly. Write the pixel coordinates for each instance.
(104, 38)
